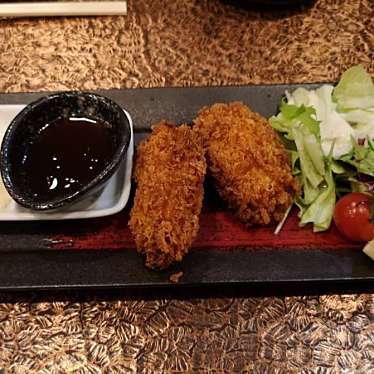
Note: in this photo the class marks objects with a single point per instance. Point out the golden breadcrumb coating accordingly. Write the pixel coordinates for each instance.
(169, 173)
(248, 162)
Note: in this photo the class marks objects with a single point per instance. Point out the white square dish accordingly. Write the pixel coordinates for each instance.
(112, 199)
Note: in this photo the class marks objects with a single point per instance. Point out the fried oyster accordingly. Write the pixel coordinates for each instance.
(248, 162)
(169, 172)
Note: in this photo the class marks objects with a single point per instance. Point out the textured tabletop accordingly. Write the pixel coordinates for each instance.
(175, 43)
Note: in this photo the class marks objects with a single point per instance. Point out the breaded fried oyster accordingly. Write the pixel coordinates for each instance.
(169, 172)
(248, 162)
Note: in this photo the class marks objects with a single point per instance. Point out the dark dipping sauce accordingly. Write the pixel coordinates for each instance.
(66, 154)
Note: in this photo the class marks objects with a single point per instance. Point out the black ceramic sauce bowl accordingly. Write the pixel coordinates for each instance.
(27, 126)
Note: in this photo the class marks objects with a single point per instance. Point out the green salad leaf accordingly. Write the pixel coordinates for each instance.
(355, 89)
(319, 210)
(361, 157)
(310, 154)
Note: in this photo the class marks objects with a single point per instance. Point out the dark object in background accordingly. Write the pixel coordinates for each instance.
(269, 6)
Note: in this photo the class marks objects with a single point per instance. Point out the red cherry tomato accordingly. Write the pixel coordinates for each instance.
(353, 216)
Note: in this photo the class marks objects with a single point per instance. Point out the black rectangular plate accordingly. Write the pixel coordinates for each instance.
(24, 265)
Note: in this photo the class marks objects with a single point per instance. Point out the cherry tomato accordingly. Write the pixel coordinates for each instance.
(353, 216)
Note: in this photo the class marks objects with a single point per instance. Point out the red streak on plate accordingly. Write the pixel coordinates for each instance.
(218, 229)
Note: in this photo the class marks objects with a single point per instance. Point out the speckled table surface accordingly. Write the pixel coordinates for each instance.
(189, 42)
